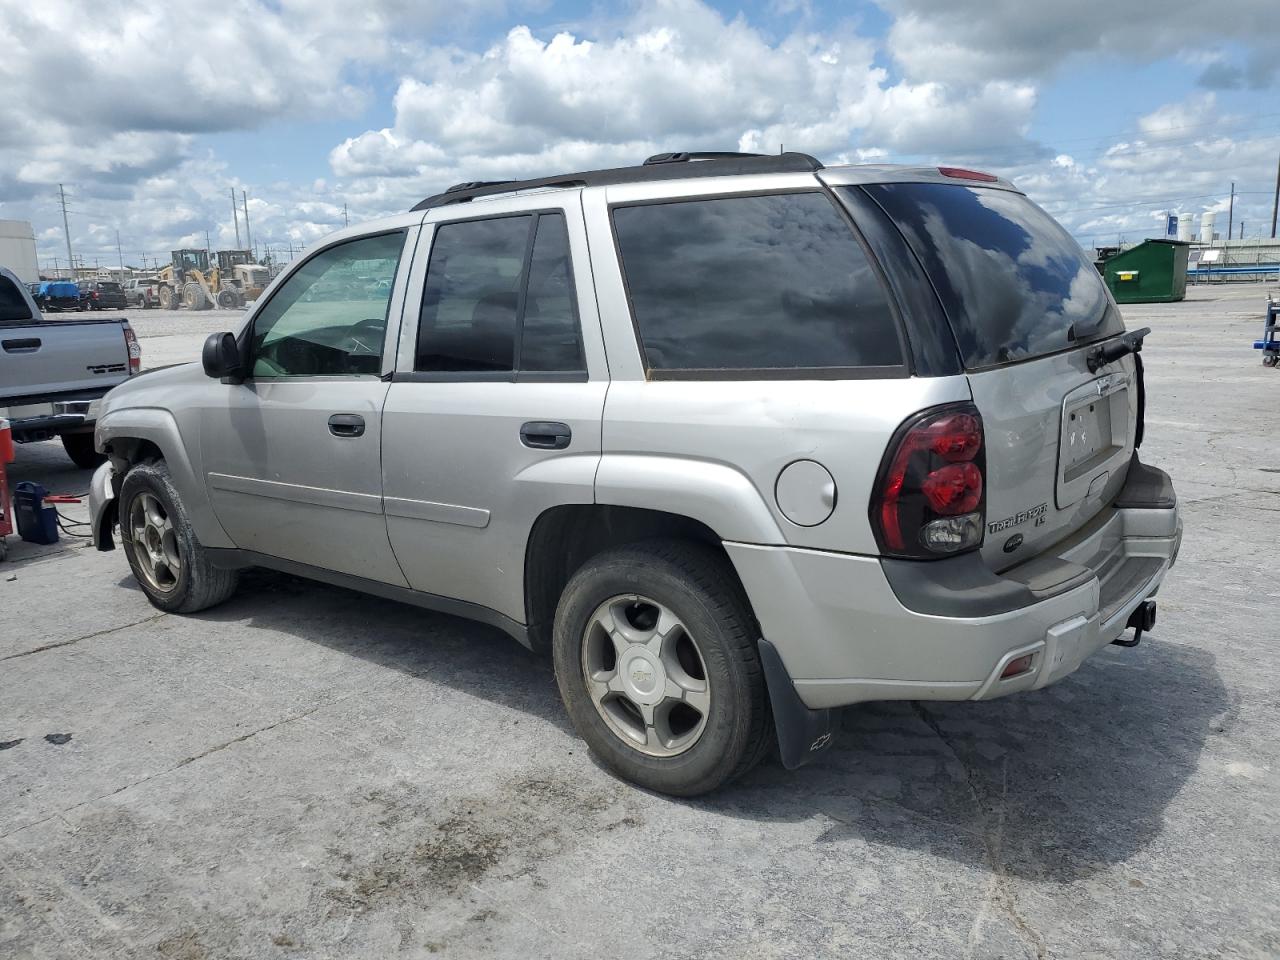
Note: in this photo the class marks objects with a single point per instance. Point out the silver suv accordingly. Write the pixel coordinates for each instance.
(737, 439)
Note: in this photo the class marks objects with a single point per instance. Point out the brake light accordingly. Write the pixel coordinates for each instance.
(930, 494)
(135, 350)
(960, 173)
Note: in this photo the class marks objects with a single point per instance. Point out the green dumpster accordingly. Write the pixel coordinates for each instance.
(1155, 271)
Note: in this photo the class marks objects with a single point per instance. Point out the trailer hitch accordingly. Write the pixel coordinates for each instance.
(1142, 620)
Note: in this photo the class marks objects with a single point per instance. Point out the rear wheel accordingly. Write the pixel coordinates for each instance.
(169, 563)
(656, 661)
(79, 447)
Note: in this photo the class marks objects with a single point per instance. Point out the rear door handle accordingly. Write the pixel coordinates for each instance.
(346, 425)
(21, 345)
(545, 435)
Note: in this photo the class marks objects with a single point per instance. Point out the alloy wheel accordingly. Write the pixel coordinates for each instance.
(155, 543)
(645, 675)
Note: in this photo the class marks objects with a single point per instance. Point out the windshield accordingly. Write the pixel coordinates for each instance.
(1014, 284)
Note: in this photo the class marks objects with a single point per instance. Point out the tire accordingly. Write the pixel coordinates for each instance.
(227, 299)
(79, 447)
(168, 301)
(196, 583)
(691, 584)
(193, 296)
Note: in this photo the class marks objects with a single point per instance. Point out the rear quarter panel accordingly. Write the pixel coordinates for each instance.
(754, 429)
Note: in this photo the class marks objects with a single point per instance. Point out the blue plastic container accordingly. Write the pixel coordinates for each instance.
(36, 522)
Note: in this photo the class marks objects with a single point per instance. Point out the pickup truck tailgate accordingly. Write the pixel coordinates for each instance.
(49, 356)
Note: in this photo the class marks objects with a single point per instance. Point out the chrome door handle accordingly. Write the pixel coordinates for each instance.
(346, 425)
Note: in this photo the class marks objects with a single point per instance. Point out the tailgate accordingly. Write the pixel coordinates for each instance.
(1025, 306)
(1059, 440)
(59, 356)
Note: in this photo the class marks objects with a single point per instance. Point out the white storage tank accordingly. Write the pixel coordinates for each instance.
(1206, 226)
(1186, 227)
(18, 249)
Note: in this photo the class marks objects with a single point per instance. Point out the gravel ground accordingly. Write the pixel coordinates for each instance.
(304, 772)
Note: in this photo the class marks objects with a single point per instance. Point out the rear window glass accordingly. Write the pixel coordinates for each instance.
(109, 287)
(1014, 283)
(13, 305)
(753, 283)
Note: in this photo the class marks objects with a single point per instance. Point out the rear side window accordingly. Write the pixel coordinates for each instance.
(499, 298)
(13, 305)
(1014, 284)
(776, 283)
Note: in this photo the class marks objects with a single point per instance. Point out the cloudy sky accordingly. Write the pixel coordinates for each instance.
(1107, 112)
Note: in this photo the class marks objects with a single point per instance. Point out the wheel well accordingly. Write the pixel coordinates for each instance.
(129, 450)
(564, 538)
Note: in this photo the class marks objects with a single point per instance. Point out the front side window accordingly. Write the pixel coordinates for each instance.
(499, 298)
(330, 317)
(774, 283)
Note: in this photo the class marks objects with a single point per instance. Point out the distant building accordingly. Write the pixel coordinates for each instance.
(18, 249)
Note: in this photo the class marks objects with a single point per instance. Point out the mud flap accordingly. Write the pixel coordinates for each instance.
(803, 734)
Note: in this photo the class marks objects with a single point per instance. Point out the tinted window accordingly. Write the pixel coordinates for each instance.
(476, 286)
(549, 338)
(748, 283)
(13, 305)
(329, 318)
(109, 287)
(1013, 282)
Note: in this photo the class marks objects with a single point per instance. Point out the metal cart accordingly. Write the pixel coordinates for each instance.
(1270, 342)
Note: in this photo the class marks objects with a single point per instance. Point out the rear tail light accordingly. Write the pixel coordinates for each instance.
(134, 348)
(930, 495)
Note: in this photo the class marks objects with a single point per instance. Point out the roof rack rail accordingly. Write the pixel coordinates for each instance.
(684, 156)
(662, 166)
(475, 184)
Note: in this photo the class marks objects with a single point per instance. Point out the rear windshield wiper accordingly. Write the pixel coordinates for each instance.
(1113, 350)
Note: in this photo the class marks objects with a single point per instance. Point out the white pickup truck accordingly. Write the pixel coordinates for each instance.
(52, 369)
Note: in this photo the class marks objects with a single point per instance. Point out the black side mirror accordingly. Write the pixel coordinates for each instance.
(221, 357)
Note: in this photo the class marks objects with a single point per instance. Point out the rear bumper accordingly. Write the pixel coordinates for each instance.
(40, 421)
(852, 628)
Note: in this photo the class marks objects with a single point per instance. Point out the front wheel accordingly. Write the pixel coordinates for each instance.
(169, 563)
(656, 662)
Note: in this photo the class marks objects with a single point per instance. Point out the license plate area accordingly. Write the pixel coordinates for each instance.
(1094, 435)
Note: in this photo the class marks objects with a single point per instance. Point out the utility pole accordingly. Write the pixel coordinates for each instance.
(120, 254)
(208, 247)
(248, 236)
(236, 216)
(1231, 209)
(346, 222)
(1275, 204)
(62, 198)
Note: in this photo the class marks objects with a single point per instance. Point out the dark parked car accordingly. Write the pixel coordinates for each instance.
(101, 295)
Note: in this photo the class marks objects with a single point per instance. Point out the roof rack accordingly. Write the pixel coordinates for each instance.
(661, 166)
